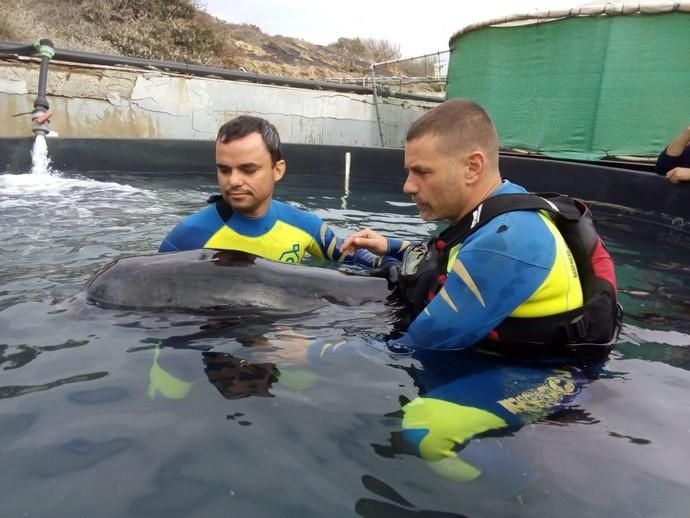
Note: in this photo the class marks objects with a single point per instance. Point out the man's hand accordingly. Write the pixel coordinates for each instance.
(678, 175)
(368, 239)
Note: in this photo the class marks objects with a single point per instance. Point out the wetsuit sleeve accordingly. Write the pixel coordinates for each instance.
(496, 270)
(397, 247)
(326, 245)
(665, 162)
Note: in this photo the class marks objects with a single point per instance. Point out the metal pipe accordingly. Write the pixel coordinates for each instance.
(41, 114)
(400, 60)
(92, 58)
(44, 49)
(376, 104)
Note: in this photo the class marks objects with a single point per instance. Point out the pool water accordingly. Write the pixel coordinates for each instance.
(116, 413)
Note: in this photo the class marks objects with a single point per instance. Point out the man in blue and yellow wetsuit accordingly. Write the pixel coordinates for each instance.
(245, 216)
(494, 275)
(511, 274)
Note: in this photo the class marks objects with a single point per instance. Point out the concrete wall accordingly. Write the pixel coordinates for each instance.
(115, 102)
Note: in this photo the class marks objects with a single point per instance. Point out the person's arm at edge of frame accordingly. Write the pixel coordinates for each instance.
(675, 153)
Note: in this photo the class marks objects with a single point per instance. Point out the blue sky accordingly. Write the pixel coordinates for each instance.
(417, 30)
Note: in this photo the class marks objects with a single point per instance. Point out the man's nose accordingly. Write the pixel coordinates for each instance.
(233, 179)
(409, 187)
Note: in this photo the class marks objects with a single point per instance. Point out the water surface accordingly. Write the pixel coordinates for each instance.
(91, 425)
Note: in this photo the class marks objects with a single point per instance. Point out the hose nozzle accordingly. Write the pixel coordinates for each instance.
(39, 122)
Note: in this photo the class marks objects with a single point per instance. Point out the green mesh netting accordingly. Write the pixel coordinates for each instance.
(585, 87)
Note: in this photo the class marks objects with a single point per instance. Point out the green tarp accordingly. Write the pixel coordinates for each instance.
(584, 87)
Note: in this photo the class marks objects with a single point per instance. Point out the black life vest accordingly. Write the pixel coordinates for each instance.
(596, 322)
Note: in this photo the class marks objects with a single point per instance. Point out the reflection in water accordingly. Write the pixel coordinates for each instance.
(13, 426)
(99, 396)
(468, 399)
(236, 378)
(25, 354)
(74, 455)
(634, 440)
(465, 401)
(54, 461)
(178, 491)
(233, 377)
(399, 507)
(10, 391)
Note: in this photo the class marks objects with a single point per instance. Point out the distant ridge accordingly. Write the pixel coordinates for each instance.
(179, 30)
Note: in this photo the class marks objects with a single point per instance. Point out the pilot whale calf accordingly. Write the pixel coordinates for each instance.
(212, 281)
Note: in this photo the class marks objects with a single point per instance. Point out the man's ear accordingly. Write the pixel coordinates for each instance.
(278, 170)
(474, 166)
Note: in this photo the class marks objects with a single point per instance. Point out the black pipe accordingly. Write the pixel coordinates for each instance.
(41, 114)
(204, 71)
(17, 49)
(45, 50)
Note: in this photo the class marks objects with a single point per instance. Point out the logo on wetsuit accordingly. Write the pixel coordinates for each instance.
(290, 256)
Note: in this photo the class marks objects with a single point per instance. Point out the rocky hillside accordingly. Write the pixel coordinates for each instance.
(179, 30)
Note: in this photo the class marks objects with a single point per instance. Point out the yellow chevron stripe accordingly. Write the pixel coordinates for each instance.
(462, 272)
(447, 300)
(323, 233)
(325, 348)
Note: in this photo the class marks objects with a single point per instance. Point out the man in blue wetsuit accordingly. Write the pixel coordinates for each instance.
(493, 276)
(507, 275)
(674, 160)
(245, 216)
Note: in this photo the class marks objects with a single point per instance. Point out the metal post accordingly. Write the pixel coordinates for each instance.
(376, 103)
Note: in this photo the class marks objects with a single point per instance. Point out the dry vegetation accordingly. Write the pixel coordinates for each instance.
(179, 30)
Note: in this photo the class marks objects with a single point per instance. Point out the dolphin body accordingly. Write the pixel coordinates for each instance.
(211, 281)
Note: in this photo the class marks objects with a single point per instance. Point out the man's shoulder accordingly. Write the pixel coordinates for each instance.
(508, 187)
(517, 224)
(203, 217)
(297, 216)
(193, 231)
(524, 221)
(521, 234)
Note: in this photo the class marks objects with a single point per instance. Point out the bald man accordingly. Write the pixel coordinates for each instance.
(502, 270)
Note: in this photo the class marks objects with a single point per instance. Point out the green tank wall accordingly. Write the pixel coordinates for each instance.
(583, 87)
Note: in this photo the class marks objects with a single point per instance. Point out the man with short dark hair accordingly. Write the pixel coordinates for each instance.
(245, 216)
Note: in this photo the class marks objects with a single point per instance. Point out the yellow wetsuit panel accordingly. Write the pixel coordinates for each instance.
(282, 242)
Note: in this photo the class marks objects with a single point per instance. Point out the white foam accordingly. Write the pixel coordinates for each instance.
(40, 161)
(56, 185)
